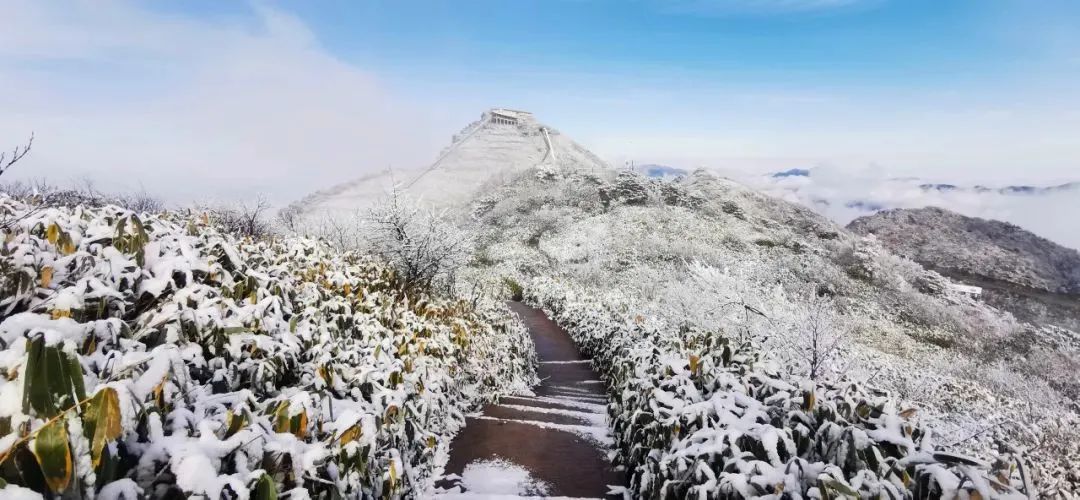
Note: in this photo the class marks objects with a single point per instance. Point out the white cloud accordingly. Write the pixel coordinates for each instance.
(195, 108)
(843, 195)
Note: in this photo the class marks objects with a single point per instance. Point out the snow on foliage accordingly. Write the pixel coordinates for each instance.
(717, 254)
(696, 416)
(157, 356)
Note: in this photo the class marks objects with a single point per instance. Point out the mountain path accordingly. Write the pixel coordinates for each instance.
(553, 443)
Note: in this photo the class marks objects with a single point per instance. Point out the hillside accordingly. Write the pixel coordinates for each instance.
(986, 248)
(1032, 277)
(705, 252)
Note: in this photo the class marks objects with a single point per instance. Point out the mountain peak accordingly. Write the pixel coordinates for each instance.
(502, 142)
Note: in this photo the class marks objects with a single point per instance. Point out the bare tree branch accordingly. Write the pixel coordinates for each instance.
(16, 155)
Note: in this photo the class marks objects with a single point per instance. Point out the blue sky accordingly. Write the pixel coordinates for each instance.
(241, 96)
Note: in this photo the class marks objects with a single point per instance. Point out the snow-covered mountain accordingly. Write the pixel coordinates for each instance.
(1009, 190)
(706, 251)
(988, 248)
(501, 143)
(1032, 277)
(689, 252)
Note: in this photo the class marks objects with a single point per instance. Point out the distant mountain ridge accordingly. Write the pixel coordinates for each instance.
(1007, 190)
(1032, 277)
(947, 187)
(661, 171)
(990, 248)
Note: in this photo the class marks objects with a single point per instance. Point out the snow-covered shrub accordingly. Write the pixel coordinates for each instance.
(861, 259)
(696, 416)
(424, 247)
(160, 356)
(631, 188)
(803, 327)
(242, 219)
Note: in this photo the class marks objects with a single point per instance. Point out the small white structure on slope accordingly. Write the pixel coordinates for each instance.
(970, 291)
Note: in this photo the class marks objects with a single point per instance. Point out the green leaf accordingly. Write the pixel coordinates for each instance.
(60, 380)
(53, 380)
(36, 392)
(53, 452)
(265, 489)
(953, 458)
(23, 469)
(109, 467)
(75, 375)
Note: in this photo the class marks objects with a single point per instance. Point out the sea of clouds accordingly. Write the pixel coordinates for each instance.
(1049, 211)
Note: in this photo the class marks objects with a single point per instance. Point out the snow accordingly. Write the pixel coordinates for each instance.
(742, 414)
(598, 434)
(567, 401)
(706, 254)
(597, 419)
(216, 389)
(500, 477)
(195, 473)
(15, 492)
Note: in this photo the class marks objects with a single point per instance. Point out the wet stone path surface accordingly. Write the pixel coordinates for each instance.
(553, 443)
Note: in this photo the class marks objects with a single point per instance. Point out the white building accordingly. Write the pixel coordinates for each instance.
(503, 116)
(970, 291)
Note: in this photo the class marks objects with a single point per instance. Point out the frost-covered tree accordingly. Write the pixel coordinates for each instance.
(290, 219)
(803, 327)
(422, 244)
(819, 334)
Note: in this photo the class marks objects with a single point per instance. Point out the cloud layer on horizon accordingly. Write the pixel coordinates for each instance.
(844, 195)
